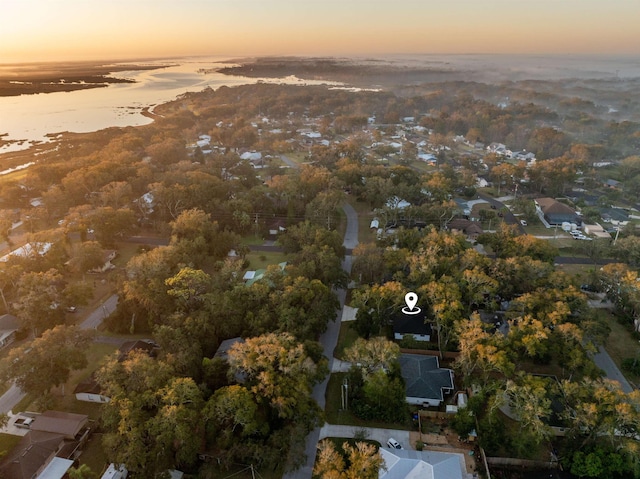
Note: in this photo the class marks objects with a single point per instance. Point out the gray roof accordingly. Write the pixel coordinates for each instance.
(424, 377)
(225, 346)
(59, 422)
(409, 464)
(8, 322)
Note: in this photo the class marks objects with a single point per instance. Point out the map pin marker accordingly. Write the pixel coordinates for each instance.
(411, 299)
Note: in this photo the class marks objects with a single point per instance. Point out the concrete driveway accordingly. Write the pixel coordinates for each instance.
(371, 433)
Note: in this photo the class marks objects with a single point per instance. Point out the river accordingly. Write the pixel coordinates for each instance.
(28, 119)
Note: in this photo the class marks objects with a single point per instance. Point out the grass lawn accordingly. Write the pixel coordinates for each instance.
(8, 442)
(335, 415)
(365, 215)
(95, 355)
(252, 240)
(262, 259)
(621, 344)
(126, 251)
(346, 338)
(93, 455)
(23, 404)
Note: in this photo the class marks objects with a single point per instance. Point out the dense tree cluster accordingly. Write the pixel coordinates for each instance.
(94, 192)
(548, 323)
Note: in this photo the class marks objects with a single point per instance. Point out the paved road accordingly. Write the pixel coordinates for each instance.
(10, 398)
(328, 340)
(604, 362)
(100, 313)
(289, 162)
(150, 240)
(14, 395)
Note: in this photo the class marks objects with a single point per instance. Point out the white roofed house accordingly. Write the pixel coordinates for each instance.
(28, 250)
(409, 464)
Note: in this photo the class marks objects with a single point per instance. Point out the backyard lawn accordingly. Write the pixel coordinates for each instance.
(7, 442)
(262, 259)
(96, 353)
(621, 344)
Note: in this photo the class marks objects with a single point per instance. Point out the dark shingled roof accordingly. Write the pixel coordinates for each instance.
(65, 423)
(30, 454)
(411, 324)
(424, 377)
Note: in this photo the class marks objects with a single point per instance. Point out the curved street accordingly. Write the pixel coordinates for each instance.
(328, 340)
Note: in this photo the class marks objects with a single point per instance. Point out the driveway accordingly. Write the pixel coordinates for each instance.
(372, 433)
(100, 313)
(604, 362)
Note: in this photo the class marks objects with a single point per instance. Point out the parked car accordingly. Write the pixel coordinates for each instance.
(393, 444)
(23, 422)
(523, 222)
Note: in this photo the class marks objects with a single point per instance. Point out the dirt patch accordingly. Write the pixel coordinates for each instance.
(448, 441)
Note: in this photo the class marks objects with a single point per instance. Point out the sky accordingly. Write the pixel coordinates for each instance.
(57, 30)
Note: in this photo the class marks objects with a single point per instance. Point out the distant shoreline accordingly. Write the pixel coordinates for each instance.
(35, 78)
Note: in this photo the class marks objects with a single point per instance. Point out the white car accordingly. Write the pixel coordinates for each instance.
(393, 444)
(523, 222)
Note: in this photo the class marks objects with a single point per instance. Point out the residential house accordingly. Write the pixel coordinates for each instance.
(145, 345)
(551, 212)
(28, 250)
(251, 277)
(90, 391)
(223, 353)
(48, 450)
(471, 229)
(426, 382)
(9, 326)
(225, 346)
(497, 148)
(31, 456)
(613, 184)
(411, 325)
(115, 472)
(107, 257)
(67, 424)
(409, 464)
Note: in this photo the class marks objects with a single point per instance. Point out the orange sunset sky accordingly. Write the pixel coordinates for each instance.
(36, 30)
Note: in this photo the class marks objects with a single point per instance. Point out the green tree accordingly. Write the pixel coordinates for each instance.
(374, 354)
(233, 410)
(279, 371)
(48, 361)
(445, 299)
(153, 421)
(40, 303)
(361, 461)
(189, 288)
(81, 472)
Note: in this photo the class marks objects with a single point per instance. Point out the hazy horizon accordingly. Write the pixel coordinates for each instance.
(75, 30)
